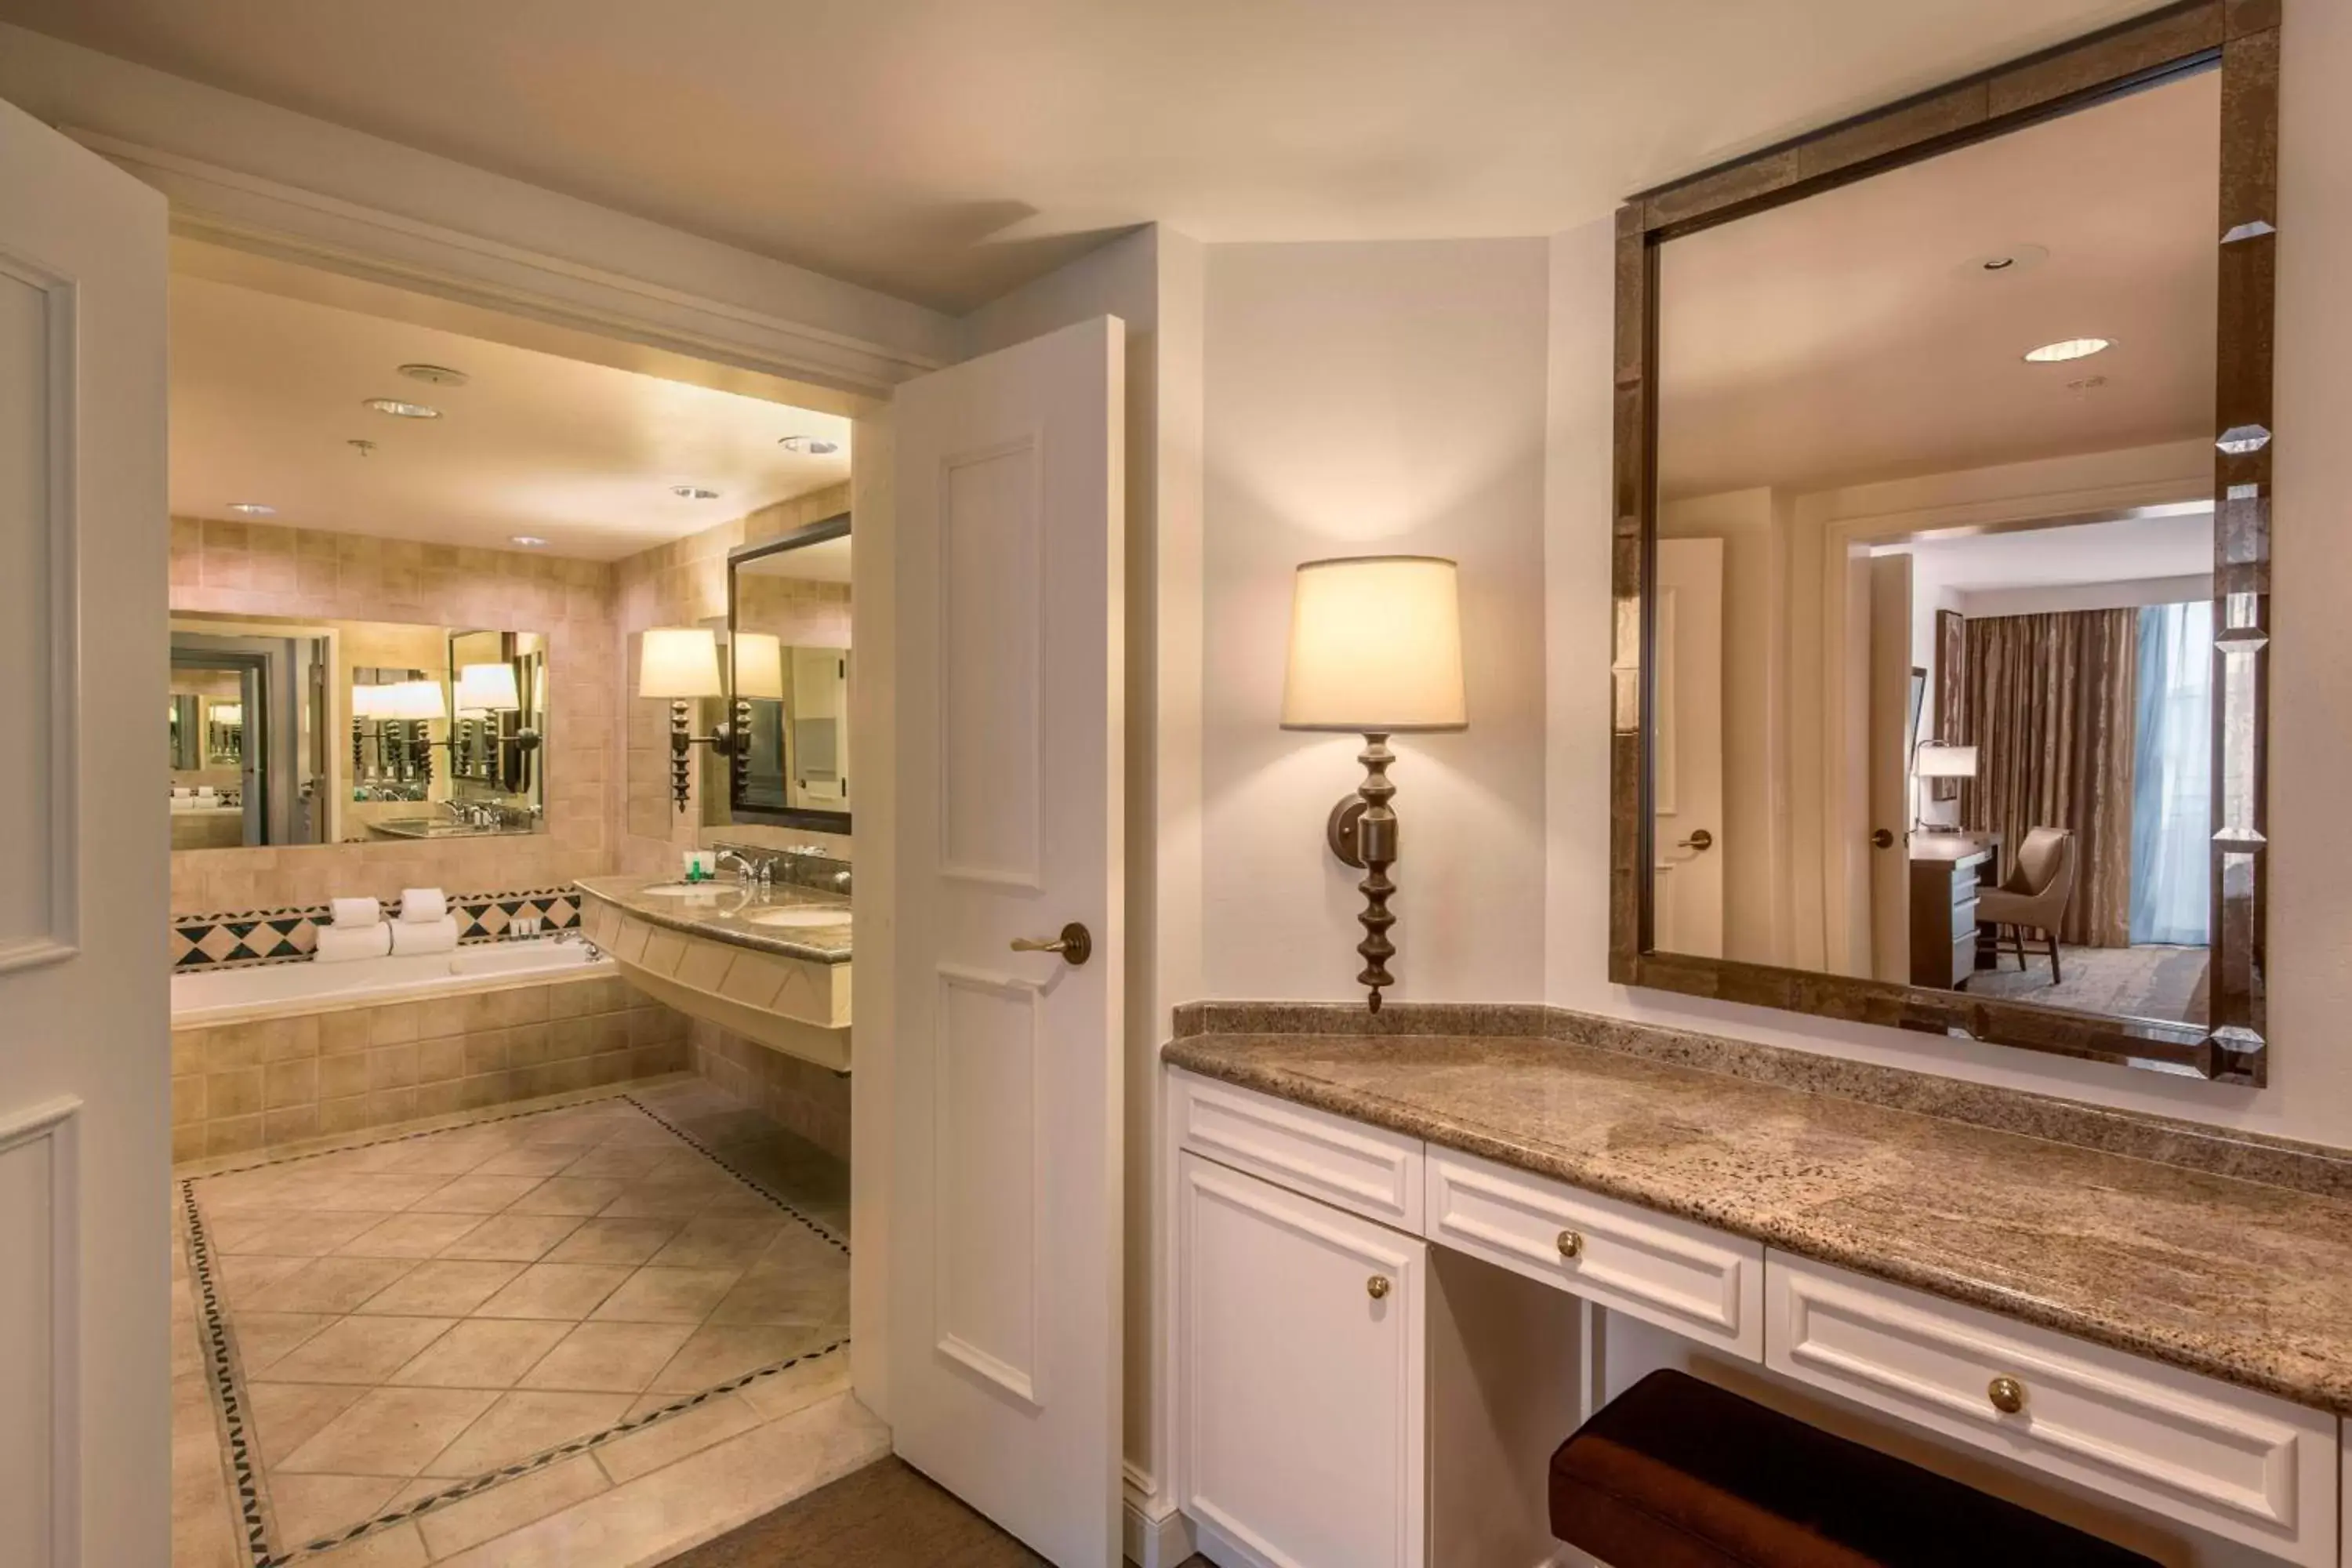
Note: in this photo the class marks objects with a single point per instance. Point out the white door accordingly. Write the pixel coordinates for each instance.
(1005, 1220)
(85, 1066)
(1890, 767)
(1686, 777)
(1300, 1380)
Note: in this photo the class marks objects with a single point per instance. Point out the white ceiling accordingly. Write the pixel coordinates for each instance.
(2126, 549)
(946, 150)
(1855, 336)
(266, 393)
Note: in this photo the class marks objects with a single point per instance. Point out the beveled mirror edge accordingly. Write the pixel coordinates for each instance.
(816, 821)
(2243, 36)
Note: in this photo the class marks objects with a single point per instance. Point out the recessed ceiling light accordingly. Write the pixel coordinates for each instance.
(693, 492)
(252, 509)
(528, 540)
(399, 409)
(2068, 348)
(438, 375)
(809, 446)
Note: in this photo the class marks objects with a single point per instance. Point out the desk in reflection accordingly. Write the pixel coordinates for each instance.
(1947, 868)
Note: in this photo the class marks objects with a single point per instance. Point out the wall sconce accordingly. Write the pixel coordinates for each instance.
(758, 658)
(681, 663)
(1375, 650)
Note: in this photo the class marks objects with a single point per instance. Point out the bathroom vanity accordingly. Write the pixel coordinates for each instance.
(1409, 1265)
(770, 965)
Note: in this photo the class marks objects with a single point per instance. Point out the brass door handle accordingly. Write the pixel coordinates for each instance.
(1700, 840)
(1074, 945)
(1882, 839)
(1377, 1287)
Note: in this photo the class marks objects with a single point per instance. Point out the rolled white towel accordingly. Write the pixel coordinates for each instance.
(340, 944)
(422, 904)
(412, 938)
(357, 911)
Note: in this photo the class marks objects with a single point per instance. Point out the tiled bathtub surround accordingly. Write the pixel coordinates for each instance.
(267, 936)
(237, 1088)
(252, 569)
(2312, 1168)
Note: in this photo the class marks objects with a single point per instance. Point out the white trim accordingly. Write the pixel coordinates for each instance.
(58, 1124)
(58, 936)
(248, 211)
(1153, 1533)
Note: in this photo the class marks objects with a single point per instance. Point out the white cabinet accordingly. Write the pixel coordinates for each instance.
(1368, 1171)
(1301, 1377)
(2246, 1466)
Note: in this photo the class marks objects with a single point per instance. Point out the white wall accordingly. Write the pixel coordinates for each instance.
(1364, 398)
(2310, 1092)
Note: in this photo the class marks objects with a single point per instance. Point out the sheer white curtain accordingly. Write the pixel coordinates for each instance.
(2172, 777)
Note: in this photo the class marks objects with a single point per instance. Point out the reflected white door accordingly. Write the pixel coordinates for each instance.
(1686, 774)
(85, 1066)
(1890, 767)
(1006, 1227)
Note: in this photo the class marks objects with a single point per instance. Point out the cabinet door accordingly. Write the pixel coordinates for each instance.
(1299, 1378)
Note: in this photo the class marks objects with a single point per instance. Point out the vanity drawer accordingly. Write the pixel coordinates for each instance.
(2246, 1466)
(1687, 1277)
(1368, 1171)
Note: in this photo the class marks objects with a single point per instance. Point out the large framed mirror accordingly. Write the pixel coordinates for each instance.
(788, 639)
(1943, 468)
(286, 731)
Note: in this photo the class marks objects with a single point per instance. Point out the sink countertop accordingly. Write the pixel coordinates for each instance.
(720, 914)
(2233, 1278)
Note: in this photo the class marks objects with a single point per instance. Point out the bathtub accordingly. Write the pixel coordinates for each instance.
(201, 997)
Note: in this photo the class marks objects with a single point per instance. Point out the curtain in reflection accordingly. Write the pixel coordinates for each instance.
(2051, 709)
(2172, 788)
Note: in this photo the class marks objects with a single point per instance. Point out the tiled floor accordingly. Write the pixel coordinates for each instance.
(590, 1335)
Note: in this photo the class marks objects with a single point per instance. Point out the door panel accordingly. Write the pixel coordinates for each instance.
(85, 1137)
(1686, 780)
(1005, 1234)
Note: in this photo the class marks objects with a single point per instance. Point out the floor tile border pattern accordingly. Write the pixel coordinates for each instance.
(228, 1393)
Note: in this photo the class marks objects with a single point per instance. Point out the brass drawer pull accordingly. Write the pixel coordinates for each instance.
(1571, 1244)
(1377, 1287)
(2008, 1394)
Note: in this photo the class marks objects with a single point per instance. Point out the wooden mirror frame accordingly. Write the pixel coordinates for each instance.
(2241, 36)
(739, 809)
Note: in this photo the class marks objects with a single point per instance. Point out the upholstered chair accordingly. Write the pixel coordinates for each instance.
(2034, 895)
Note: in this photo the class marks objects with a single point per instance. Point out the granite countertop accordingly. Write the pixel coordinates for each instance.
(2237, 1279)
(723, 913)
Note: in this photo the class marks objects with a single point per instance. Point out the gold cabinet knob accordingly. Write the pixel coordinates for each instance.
(2008, 1394)
(1570, 1243)
(1377, 1287)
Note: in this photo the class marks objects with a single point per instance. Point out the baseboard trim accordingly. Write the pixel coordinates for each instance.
(1154, 1540)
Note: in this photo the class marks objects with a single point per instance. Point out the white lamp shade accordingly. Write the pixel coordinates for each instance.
(487, 687)
(759, 666)
(414, 700)
(679, 661)
(1375, 646)
(1948, 761)
(229, 713)
(367, 702)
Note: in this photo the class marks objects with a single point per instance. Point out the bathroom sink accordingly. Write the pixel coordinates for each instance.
(800, 919)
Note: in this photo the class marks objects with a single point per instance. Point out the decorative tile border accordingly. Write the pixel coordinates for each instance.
(227, 1386)
(241, 938)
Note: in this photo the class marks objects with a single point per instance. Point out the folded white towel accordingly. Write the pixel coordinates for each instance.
(181, 791)
(206, 789)
(411, 938)
(422, 904)
(358, 912)
(340, 944)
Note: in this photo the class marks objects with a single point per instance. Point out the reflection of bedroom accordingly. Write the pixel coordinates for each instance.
(2075, 664)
